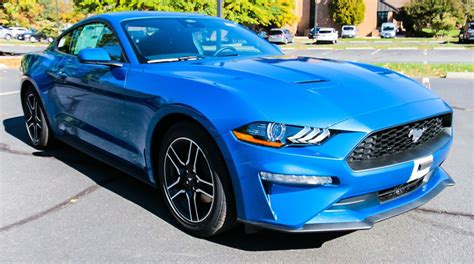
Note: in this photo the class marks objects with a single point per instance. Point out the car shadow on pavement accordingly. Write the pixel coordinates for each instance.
(149, 198)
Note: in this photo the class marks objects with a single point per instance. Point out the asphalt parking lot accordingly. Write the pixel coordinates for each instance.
(61, 205)
(370, 55)
(396, 55)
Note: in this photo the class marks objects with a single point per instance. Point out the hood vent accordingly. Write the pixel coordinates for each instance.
(310, 81)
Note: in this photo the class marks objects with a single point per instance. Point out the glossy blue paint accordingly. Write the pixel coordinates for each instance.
(116, 110)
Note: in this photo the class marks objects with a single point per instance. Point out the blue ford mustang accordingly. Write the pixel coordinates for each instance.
(231, 130)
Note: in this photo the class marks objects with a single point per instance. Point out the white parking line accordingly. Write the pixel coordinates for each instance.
(360, 48)
(449, 48)
(9, 93)
(375, 52)
(319, 48)
(327, 52)
(403, 48)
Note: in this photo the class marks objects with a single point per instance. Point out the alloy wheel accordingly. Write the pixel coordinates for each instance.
(188, 181)
(33, 118)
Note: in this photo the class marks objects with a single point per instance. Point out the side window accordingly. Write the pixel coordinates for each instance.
(97, 35)
(64, 43)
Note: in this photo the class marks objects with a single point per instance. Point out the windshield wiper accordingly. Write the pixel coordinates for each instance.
(183, 58)
(229, 55)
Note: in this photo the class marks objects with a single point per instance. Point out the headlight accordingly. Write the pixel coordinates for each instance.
(278, 135)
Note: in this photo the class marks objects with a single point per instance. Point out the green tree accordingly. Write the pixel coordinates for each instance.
(438, 15)
(347, 12)
(247, 12)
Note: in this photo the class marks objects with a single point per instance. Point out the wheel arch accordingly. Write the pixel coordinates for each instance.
(179, 113)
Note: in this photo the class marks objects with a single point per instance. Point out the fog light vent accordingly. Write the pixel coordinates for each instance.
(297, 179)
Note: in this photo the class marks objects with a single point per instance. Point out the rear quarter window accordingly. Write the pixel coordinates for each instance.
(64, 43)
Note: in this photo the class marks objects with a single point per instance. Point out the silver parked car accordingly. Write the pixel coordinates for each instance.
(467, 33)
(5, 33)
(280, 35)
(348, 31)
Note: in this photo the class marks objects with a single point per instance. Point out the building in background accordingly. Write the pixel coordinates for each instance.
(376, 12)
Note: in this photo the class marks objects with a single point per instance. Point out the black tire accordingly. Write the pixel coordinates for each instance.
(197, 172)
(37, 126)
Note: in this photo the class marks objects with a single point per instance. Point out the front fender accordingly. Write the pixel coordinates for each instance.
(211, 129)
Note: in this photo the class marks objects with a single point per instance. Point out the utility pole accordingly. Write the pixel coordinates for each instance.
(57, 16)
(315, 13)
(219, 8)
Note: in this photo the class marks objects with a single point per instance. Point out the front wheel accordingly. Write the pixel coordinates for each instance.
(195, 182)
(8, 37)
(35, 120)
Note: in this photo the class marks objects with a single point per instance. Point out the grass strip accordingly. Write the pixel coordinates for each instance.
(427, 70)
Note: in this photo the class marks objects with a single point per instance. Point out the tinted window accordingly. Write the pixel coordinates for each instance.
(165, 38)
(471, 26)
(96, 35)
(325, 31)
(276, 32)
(348, 28)
(388, 28)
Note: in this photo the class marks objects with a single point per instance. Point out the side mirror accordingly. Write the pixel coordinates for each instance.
(97, 56)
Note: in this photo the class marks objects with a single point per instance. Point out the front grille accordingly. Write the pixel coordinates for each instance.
(398, 139)
(399, 190)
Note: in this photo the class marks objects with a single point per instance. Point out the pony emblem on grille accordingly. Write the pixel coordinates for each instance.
(416, 133)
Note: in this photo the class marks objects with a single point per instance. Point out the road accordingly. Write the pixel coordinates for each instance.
(353, 54)
(399, 55)
(61, 205)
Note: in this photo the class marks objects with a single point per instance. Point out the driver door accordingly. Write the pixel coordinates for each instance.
(90, 96)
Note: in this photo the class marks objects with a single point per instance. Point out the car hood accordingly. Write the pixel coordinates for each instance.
(307, 91)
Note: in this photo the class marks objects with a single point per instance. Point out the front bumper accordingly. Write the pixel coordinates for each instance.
(317, 208)
(272, 39)
(358, 216)
(324, 38)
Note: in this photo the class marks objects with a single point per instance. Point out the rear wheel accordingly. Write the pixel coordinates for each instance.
(195, 181)
(8, 37)
(35, 120)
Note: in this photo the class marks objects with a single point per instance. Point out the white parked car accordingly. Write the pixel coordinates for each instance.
(326, 35)
(388, 30)
(5, 33)
(348, 31)
(15, 31)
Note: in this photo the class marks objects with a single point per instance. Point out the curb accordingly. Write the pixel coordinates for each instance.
(460, 75)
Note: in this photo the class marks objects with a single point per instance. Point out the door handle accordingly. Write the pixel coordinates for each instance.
(62, 75)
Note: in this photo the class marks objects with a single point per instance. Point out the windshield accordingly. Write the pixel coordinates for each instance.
(162, 39)
(388, 28)
(471, 26)
(348, 28)
(325, 31)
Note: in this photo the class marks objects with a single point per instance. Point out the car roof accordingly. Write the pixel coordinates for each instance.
(120, 16)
